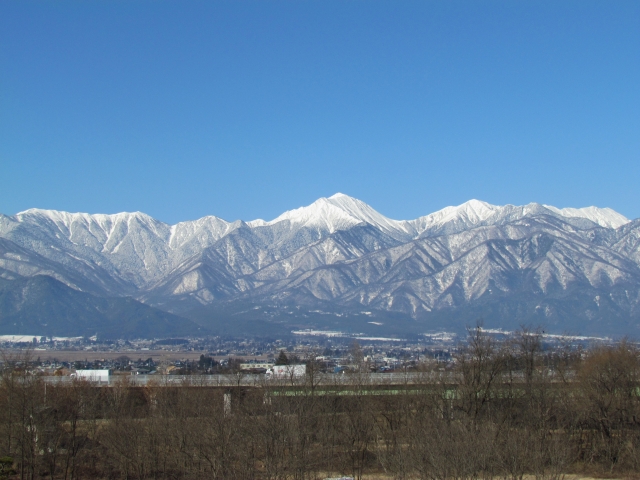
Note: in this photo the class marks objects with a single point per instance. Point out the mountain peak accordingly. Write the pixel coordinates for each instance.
(340, 212)
(477, 209)
(324, 213)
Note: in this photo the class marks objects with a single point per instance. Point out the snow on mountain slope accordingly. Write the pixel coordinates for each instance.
(464, 216)
(476, 213)
(429, 274)
(627, 240)
(133, 247)
(75, 272)
(87, 229)
(204, 231)
(130, 246)
(605, 217)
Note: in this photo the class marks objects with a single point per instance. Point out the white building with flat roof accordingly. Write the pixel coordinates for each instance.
(92, 375)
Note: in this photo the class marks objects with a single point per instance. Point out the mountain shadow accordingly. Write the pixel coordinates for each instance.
(43, 306)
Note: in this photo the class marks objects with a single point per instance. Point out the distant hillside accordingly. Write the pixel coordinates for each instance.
(42, 305)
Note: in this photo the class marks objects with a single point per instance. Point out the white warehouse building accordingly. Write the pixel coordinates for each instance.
(93, 375)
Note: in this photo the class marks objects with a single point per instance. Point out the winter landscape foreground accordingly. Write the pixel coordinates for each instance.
(508, 408)
(335, 267)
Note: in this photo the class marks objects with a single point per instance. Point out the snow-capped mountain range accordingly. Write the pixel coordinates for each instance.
(340, 252)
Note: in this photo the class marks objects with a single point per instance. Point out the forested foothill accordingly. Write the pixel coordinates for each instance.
(504, 408)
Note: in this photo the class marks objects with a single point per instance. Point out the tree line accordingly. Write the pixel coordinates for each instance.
(501, 409)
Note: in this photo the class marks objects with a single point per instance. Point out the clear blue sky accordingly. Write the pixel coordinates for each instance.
(244, 109)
